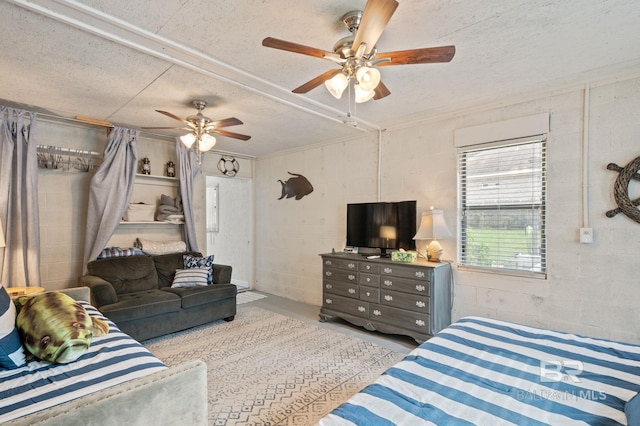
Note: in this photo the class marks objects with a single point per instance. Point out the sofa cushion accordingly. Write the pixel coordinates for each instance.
(195, 296)
(166, 265)
(127, 274)
(143, 304)
(192, 277)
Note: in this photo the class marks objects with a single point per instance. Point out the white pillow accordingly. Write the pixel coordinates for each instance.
(161, 247)
(11, 353)
(191, 277)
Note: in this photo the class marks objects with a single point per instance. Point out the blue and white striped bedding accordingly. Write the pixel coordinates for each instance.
(490, 372)
(110, 360)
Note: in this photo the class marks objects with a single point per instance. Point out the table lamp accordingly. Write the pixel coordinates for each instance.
(433, 227)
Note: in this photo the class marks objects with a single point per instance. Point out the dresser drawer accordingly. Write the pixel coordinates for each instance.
(353, 307)
(370, 268)
(348, 264)
(401, 318)
(405, 285)
(370, 294)
(340, 288)
(369, 279)
(340, 275)
(402, 271)
(412, 302)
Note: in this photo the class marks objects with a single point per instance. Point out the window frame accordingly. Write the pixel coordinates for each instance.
(464, 263)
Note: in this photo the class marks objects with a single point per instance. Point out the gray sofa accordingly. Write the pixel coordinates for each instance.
(135, 292)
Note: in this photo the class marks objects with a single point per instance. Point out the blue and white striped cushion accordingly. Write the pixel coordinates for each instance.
(190, 277)
(199, 262)
(11, 353)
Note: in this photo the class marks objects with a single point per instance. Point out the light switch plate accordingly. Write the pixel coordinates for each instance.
(586, 235)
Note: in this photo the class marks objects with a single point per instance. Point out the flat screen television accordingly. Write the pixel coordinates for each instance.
(381, 227)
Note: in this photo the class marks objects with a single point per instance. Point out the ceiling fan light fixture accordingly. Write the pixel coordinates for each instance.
(363, 95)
(336, 84)
(368, 78)
(206, 142)
(188, 139)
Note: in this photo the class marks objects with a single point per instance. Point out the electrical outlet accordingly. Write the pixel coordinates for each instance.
(586, 235)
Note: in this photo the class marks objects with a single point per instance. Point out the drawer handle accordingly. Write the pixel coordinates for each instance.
(420, 323)
(368, 267)
(351, 265)
(328, 262)
(328, 286)
(420, 304)
(352, 290)
(377, 312)
(351, 277)
(388, 298)
(420, 287)
(328, 273)
(419, 274)
(368, 279)
(362, 308)
(388, 270)
(368, 293)
(328, 301)
(388, 283)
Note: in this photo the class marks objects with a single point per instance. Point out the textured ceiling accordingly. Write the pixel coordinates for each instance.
(119, 60)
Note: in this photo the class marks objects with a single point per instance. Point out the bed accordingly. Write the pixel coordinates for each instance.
(117, 381)
(491, 372)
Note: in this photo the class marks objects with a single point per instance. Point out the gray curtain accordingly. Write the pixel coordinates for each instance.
(189, 167)
(110, 190)
(19, 198)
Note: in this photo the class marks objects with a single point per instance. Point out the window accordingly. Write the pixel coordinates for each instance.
(502, 206)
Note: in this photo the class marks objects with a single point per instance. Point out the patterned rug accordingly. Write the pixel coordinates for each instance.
(269, 369)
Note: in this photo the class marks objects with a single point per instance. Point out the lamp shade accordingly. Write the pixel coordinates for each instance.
(432, 226)
(188, 139)
(363, 95)
(368, 78)
(336, 84)
(206, 142)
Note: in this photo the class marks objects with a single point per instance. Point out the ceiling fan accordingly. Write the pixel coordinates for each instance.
(357, 55)
(202, 128)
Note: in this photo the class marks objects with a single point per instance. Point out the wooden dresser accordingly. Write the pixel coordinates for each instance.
(412, 299)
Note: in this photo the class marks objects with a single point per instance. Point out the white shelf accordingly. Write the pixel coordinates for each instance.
(155, 222)
(141, 176)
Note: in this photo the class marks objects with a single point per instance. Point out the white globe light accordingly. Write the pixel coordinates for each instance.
(206, 142)
(368, 78)
(188, 139)
(336, 84)
(363, 95)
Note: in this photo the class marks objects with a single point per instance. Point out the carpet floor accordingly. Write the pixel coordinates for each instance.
(269, 369)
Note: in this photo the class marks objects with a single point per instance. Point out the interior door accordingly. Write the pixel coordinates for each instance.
(230, 226)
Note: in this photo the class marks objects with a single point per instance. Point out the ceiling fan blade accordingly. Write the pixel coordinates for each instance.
(375, 17)
(381, 91)
(227, 122)
(312, 84)
(295, 47)
(232, 135)
(166, 128)
(175, 117)
(427, 55)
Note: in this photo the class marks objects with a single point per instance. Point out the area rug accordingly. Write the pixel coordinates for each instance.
(268, 369)
(248, 296)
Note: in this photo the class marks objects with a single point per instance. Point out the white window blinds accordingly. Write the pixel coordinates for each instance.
(502, 206)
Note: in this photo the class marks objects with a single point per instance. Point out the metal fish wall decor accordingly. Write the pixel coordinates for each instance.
(297, 186)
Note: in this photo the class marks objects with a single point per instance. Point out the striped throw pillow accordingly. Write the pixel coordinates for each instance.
(191, 277)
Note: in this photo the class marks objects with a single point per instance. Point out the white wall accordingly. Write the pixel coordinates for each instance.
(590, 289)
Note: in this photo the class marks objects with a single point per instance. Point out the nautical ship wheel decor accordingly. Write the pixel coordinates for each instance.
(621, 190)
